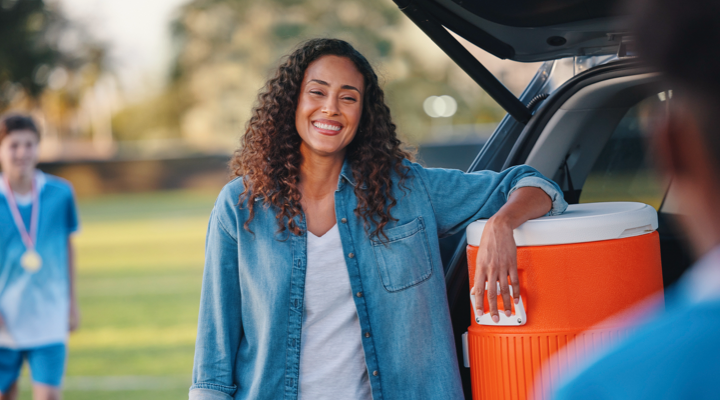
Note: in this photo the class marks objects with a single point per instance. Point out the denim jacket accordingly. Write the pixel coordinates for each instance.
(251, 306)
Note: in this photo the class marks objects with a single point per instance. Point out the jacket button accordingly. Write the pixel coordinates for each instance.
(344, 220)
(358, 294)
(367, 334)
(375, 373)
(351, 255)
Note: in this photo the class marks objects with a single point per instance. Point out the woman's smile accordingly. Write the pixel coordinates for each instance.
(327, 127)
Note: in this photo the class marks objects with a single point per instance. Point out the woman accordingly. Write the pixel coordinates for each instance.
(323, 276)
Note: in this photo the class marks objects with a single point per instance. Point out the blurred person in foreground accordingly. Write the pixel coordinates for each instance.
(323, 277)
(37, 298)
(677, 354)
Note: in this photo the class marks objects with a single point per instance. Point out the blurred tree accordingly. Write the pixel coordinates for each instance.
(37, 39)
(50, 67)
(227, 48)
(24, 46)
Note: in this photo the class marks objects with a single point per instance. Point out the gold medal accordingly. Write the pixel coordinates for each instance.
(31, 260)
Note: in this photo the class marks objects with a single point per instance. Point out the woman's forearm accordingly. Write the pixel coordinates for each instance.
(497, 255)
(523, 204)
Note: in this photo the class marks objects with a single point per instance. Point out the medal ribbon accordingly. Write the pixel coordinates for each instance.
(28, 238)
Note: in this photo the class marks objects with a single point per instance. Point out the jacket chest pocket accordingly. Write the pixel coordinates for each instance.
(404, 261)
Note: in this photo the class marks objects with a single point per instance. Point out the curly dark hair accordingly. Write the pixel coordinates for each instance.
(269, 157)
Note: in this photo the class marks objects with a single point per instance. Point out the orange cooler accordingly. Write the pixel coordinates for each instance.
(576, 270)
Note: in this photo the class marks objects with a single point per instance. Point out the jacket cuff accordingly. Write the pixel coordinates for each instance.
(209, 391)
(558, 201)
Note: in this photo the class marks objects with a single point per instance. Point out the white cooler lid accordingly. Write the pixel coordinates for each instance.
(580, 223)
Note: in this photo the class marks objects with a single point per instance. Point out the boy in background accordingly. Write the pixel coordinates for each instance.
(37, 298)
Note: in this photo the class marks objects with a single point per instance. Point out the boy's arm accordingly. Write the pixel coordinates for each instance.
(74, 310)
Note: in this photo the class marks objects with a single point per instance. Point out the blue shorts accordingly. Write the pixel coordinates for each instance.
(47, 365)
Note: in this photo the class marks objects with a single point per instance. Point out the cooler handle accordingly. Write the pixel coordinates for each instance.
(517, 319)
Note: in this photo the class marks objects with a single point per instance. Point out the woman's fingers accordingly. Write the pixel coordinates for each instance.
(505, 291)
(515, 280)
(492, 298)
(479, 290)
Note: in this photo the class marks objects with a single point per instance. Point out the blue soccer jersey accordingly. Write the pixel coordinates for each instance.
(35, 305)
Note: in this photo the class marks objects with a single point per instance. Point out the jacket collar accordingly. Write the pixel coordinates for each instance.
(346, 175)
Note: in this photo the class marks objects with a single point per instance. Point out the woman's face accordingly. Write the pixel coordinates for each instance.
(330, 106)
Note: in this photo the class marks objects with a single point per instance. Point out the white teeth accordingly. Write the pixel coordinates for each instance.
(326, 126)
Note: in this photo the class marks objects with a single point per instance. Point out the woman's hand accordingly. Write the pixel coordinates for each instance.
(497, 253)
(496, 261)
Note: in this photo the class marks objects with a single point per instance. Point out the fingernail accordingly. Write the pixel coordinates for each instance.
(495, 319)
(517, 301)
(480, 310)
(507, 313)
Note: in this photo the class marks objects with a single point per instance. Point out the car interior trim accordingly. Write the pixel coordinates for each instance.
(584, 123)
(468, 31)
(582, 37)
(523, 146)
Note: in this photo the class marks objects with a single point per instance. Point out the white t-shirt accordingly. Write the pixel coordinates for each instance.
(332, 361)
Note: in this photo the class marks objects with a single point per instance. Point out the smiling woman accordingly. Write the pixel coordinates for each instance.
(323, 277)
(329, 85)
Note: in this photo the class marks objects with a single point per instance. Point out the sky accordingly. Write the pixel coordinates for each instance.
(137, 33)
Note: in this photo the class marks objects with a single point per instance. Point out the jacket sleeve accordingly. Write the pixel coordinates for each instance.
(219, 321)
(459, 198)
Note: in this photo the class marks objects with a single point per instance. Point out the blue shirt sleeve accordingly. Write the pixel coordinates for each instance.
(73, 221)
(459, 198)
(220, 318)
(674, 356)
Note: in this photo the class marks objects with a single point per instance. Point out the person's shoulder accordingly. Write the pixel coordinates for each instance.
(413, 165)
(232, 190)
(681, 328)
(55, 183)
(686, 335)
(430, 174)
(228, 200)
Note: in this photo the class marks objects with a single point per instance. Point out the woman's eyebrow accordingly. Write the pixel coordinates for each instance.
(342, 87)
(351, 88)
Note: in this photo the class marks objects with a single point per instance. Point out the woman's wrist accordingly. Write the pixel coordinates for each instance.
(500, 222)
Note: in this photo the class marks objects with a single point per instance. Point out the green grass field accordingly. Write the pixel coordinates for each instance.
(140, 261)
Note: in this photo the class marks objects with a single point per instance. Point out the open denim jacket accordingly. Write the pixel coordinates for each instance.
(251, 307)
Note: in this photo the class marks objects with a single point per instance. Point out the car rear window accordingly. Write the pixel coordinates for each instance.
(624, 170)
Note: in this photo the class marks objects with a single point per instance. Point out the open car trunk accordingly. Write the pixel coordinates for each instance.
(523, 30)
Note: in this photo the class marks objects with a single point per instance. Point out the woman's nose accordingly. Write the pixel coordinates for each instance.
(331, 106)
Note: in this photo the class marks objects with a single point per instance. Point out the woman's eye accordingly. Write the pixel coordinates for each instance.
(349, 98)
(315, 92)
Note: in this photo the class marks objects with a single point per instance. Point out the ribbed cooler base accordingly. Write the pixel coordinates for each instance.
(519, 366)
